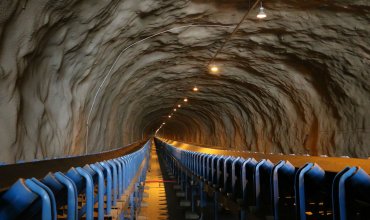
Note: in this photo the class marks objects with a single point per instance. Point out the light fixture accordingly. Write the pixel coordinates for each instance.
(174, 109)
(195, 89)
(163, 123)
(179, 106)
(213, 69)
(261, 14)
(185, 100)
(169, 116)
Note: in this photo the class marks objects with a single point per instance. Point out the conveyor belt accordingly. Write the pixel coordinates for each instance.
(329, 164)
(38, 169)
(101, 186)
(255, 185)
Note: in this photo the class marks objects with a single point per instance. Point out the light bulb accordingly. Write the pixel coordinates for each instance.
(214, 69)
(179, 106)
(174, 109)
(169, 116)
(185, 100)
(261, 14)
(195, 89)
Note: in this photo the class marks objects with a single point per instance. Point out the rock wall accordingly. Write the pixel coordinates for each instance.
(296, 82)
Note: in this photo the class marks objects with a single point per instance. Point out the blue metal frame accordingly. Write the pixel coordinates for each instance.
(310, 170)
(88, 209)
(108, 173)
(287, 168)
(101, 190)
(47, 208)
(72, 212)
(246, 179)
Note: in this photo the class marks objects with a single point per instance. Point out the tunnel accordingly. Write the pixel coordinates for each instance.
(87, 81)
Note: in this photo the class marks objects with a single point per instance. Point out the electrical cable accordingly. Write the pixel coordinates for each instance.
(119, 56)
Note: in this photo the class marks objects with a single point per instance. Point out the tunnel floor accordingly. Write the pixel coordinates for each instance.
(160, 201)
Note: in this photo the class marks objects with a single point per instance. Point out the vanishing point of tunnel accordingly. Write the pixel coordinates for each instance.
(86, 76)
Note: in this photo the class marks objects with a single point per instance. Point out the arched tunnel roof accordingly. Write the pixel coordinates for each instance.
(295, 82)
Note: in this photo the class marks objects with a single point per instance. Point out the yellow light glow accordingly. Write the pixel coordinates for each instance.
(163, 123)
(261, 14)
(179, 106)
(174, 109)
(195, 89)
(169, 116)
(214, 69)
(185, 100)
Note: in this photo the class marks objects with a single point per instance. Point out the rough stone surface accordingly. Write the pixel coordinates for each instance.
(297, 82)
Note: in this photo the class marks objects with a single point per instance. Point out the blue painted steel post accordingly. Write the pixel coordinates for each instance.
(119, 170)
(89, 193)
(300, 194)
(186, 186)
(115, 181)
(192, 196)
(109, 187)
(46, 203)
(202, 194)
(101, 190)
(215, 205)
(288, 168)
(72, 195)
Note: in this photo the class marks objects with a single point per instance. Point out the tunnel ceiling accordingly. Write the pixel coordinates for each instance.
(296, 82)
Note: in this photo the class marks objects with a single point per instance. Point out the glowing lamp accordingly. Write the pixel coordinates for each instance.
(214, 69)
(261, 14)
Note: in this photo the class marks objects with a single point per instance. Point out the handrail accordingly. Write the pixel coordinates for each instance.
(38, 169)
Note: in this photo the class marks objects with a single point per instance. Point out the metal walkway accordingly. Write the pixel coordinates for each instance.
(163, 197)
(154, 204)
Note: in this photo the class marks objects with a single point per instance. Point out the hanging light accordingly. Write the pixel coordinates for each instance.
(214, 69)
(185, 100)
(179, 106)
(261, 14)
(195, 89)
